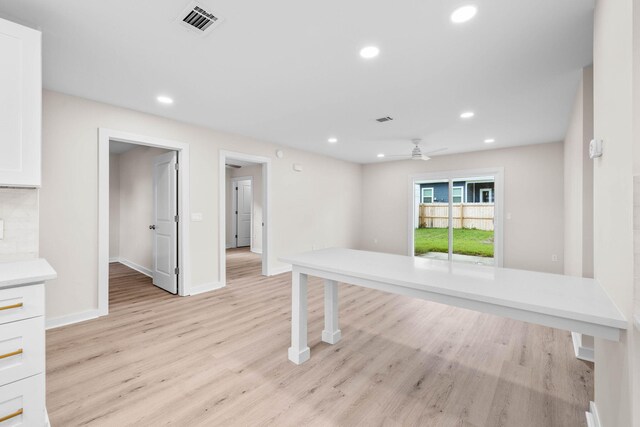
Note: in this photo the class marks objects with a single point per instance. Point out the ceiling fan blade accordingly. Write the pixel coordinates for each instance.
(439, 150)
(398, 156)
(425, 158)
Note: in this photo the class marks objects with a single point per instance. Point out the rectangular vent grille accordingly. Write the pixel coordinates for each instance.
(200, 18)
(197, 19)
(384, 119)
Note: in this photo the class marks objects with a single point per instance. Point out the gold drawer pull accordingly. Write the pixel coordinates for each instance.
(9, 307)
(15, 414)
(13, 353)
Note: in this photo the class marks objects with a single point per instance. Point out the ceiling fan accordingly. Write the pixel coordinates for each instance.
(416, 153)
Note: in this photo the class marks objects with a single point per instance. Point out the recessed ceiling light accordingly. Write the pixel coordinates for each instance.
(332, 140)
(463, 14)
(489, 141)
(380, 155)
(369, 52)
(164, 100)
(467, 115)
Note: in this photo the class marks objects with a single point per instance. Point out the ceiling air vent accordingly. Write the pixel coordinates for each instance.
(384, 119)
(198, 19)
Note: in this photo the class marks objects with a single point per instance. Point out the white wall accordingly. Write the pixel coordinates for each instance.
(613, 205)
(578, 183)
(255, 172)
(19, 211)
(114, 206)
(317, 207)
(136, 205)
(533, 195)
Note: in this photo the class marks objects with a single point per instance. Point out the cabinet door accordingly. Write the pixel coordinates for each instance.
(20, 105)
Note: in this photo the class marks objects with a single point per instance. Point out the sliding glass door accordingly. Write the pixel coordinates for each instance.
(455, 217)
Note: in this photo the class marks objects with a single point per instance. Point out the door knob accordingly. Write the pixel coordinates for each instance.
(152, 227)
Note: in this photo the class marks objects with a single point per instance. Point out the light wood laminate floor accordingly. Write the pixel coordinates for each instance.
(220, 358)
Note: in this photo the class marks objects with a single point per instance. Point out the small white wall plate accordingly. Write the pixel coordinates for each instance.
(595, 148)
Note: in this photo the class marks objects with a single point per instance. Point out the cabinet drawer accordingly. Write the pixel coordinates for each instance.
(21, 303)
(21, 349)
(22, 403)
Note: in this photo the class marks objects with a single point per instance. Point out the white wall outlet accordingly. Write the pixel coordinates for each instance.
(196, 217)
(1, 229)
(554, 258)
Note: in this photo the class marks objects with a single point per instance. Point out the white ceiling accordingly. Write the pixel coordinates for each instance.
(289, 71)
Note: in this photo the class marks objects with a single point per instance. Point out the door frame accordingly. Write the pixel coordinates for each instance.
(266, 210)
(498, 210)
(234, 218)
(184, 257)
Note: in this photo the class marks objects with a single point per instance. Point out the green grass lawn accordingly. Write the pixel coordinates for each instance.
(465, 241)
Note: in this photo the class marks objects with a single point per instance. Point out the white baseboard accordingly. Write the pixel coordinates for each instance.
(256, 251)
(230, 245)
(582, 352)
(205, 287)
(279, 270)
(70, 319)
(136, 267)
(593, 420)
(114, 259)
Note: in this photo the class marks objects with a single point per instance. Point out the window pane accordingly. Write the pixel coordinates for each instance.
(427, 195)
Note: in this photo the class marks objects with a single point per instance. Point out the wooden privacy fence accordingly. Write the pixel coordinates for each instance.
(465, 215)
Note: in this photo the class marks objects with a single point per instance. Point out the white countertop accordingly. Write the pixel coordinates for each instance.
(17, 273)
(552, 294)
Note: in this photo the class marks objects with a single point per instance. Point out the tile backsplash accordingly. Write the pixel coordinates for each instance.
(19, 211)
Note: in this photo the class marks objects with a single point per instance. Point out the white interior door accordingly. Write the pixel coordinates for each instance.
(165, 222)
(244, 199)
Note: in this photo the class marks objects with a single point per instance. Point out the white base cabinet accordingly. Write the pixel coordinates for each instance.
(22, 343)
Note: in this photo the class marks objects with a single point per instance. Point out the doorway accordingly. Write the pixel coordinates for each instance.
(245, 202)
(457, 216)
(244, 214)
(152, 235)
(143, 211)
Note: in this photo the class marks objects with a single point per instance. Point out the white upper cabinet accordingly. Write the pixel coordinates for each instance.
(20, 105)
